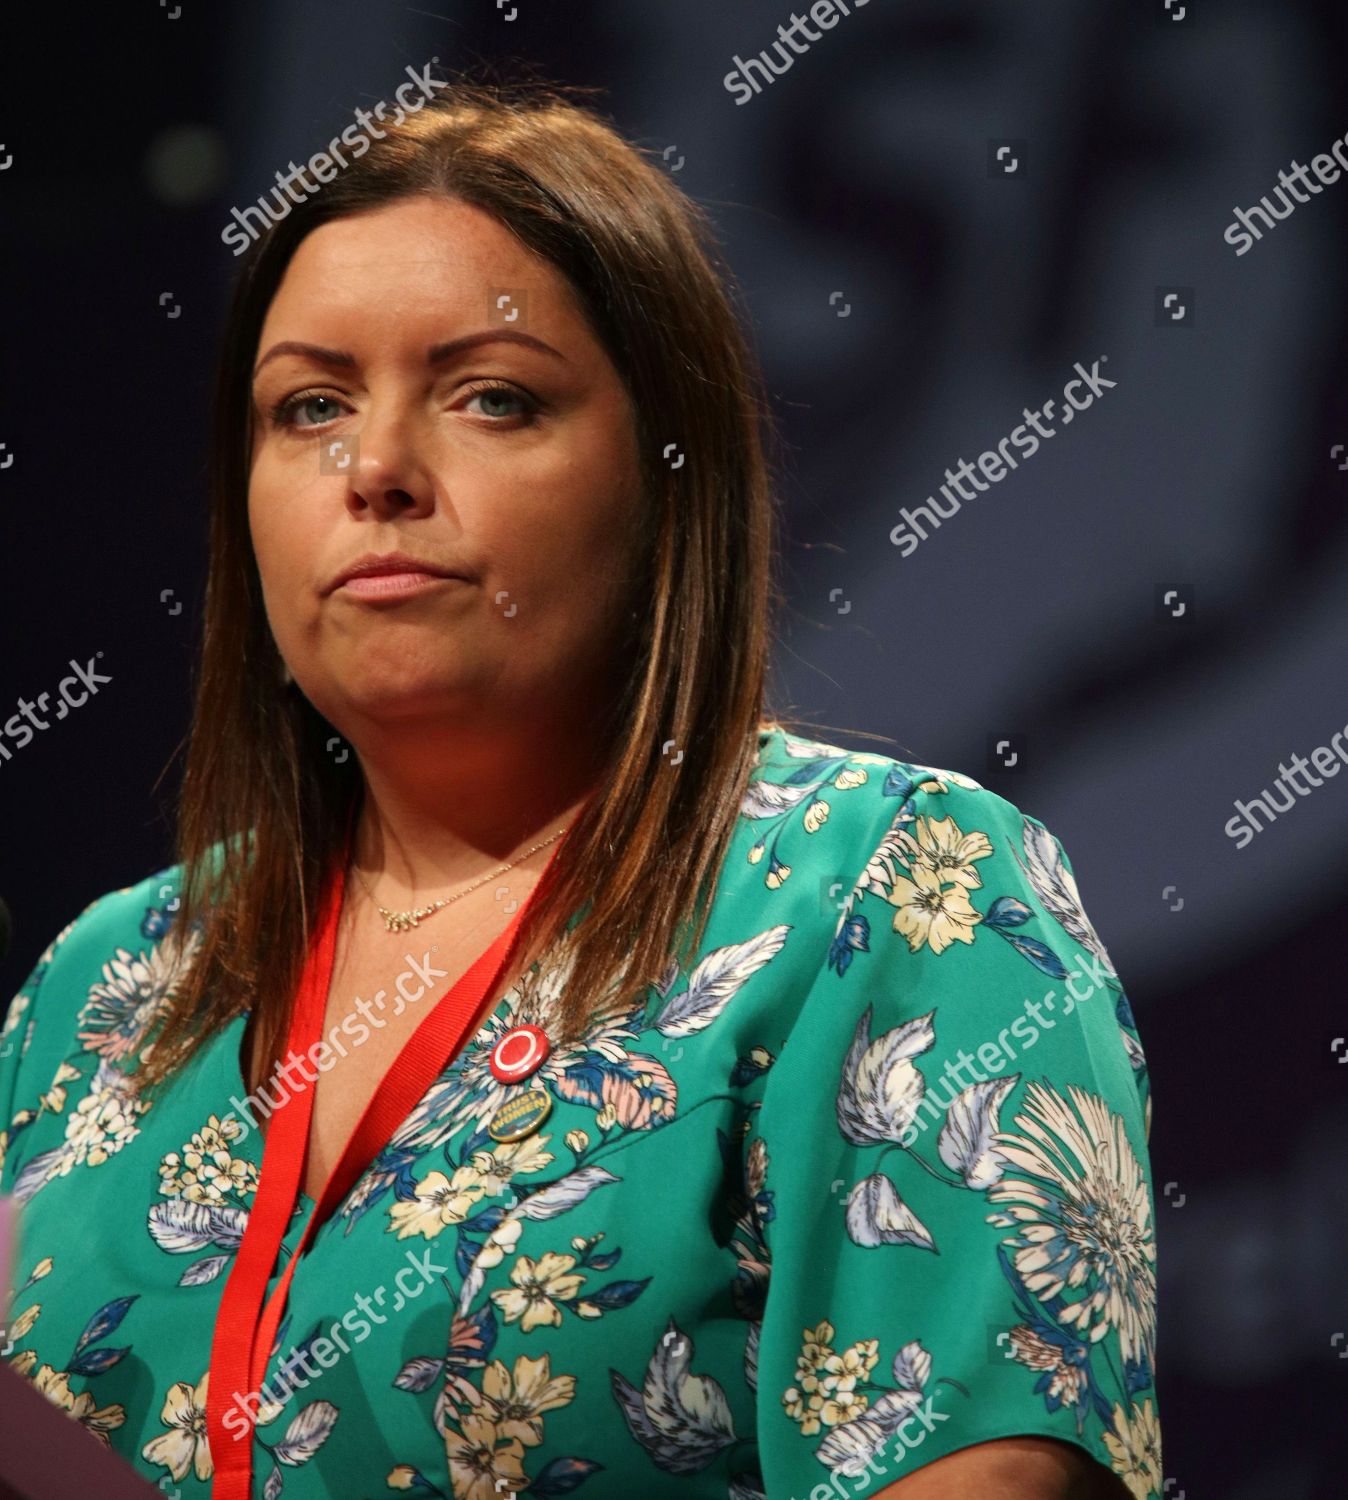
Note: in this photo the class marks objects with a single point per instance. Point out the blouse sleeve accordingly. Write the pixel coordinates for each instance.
(952, 1168)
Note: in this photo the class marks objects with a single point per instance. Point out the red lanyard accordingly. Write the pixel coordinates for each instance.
(244, 1329)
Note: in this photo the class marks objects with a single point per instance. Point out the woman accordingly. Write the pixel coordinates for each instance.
(541, 1070)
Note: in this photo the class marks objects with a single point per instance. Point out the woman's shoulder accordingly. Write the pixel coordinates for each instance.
(142, 912)
(858, 798)
(932, 849)
(106, 951)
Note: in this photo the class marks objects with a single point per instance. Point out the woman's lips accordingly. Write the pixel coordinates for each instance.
(392, 585)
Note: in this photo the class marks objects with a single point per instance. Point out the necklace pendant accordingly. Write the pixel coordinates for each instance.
(400, 921)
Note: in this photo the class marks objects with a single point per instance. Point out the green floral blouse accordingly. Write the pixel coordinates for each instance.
(865, 1183)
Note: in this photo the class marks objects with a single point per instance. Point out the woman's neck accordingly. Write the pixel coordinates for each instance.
(411, 857)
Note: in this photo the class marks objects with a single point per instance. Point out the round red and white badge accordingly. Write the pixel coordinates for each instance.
(521, 1051)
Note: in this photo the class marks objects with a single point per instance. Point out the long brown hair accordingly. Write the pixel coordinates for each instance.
(264, 805)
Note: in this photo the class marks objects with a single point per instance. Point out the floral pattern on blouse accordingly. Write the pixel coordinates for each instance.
(863, 1183)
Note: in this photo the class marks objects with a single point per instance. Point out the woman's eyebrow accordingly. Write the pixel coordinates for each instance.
(437, 354)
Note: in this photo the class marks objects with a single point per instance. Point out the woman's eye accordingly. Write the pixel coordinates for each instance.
(494, 394)
(285, 413)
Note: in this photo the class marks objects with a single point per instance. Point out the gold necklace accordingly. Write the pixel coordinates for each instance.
(401, 921)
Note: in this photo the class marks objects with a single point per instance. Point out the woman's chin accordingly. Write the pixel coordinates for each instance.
(395, 699)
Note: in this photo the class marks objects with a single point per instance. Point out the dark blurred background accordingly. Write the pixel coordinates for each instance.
(911, 292)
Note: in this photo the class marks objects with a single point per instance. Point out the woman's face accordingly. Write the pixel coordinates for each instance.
(512, 461)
